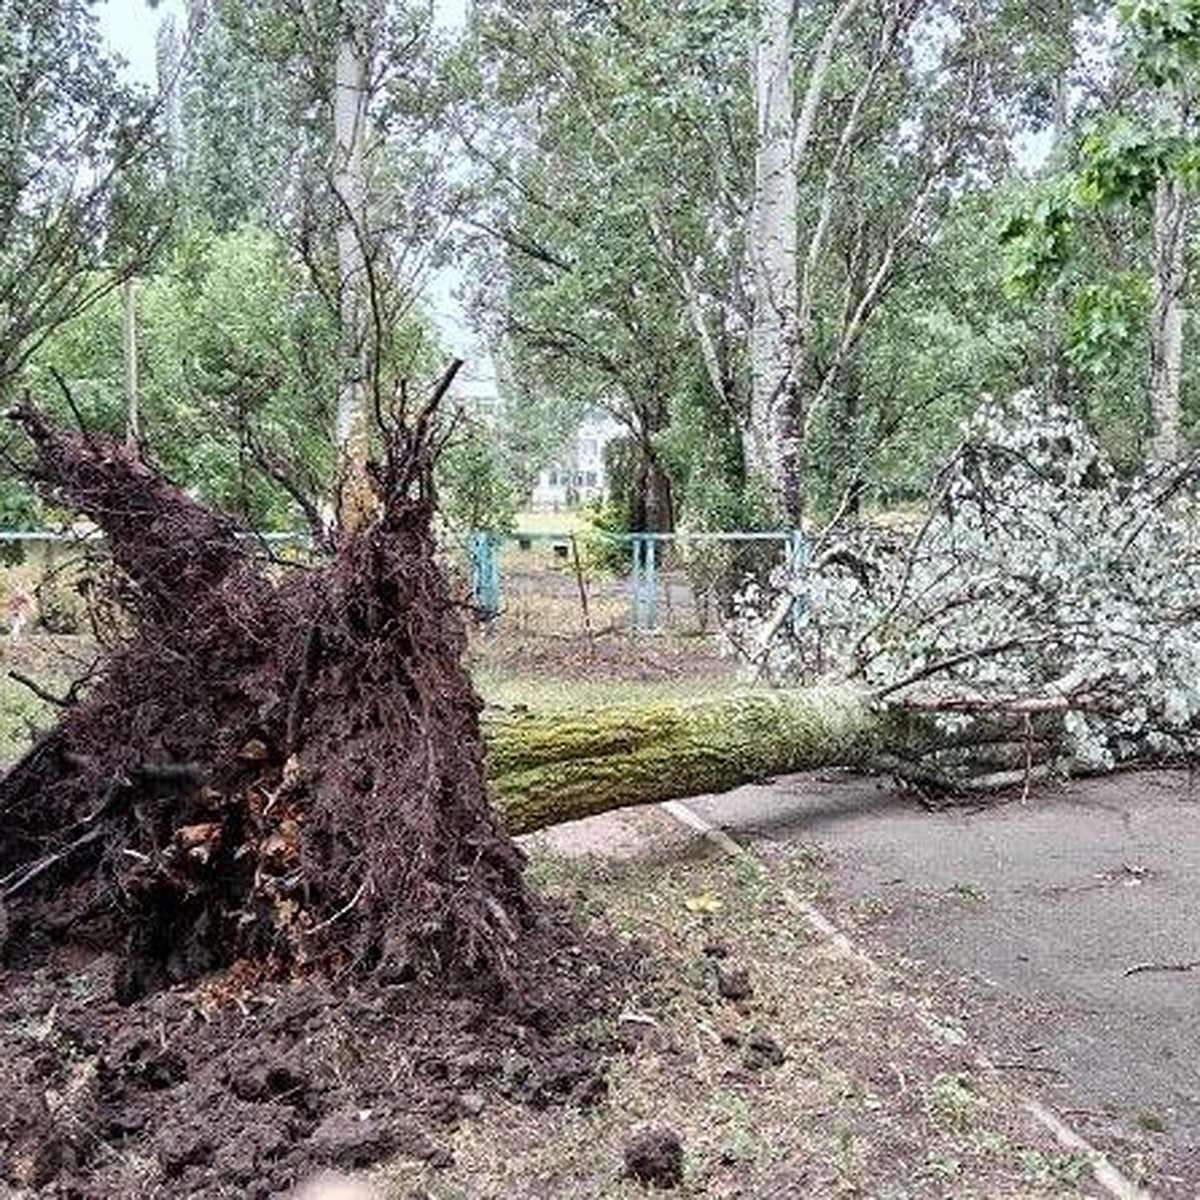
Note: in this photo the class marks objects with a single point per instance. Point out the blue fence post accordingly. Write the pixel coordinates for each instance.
(797, 561)
(636, 577)
(650, 580)
(485, 574)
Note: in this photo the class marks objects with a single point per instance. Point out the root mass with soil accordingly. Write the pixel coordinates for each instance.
(277, 776)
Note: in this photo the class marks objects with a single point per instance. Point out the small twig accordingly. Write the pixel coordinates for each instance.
(41, 693)
(1024, 1066)
(583, 597)
(56, 375)
(1011, 703)
(43, 865)
(341, 912)
(974, 654)
(1144, 968)
(1027, 722)
(312, 652)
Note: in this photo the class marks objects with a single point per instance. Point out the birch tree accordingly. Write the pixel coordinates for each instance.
(350, 198)
(1168, 279)
(782, 136)
(776, 418)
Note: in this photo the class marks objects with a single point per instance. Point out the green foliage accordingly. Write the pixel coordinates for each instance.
(1106, 321)
(702, 450)
(79, 173)
(1082, 242)
(475, 489)
(243, 126)
(1166, 37)
(1037, 237)
(237, 372)
(1121, 162)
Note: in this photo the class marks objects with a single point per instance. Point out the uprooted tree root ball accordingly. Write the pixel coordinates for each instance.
(277, 777)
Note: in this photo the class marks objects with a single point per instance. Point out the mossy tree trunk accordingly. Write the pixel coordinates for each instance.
(549, 768)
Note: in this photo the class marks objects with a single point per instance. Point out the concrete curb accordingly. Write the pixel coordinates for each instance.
(1106, 1175)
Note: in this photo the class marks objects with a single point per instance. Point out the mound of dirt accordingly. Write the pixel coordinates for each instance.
(260, 914)
(243, 1086)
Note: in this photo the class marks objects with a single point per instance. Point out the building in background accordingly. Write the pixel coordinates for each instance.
(476, 389)
(578, 476)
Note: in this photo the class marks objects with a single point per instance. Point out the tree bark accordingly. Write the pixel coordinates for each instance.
(776, 420)
(546, 769)
(783, 132)
(133, 425)
(350, 195)
(1166, 320)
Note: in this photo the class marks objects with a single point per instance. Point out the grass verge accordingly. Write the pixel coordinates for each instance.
(783, 1067)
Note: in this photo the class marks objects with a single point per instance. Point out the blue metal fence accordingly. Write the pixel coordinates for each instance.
(649, 569)
(644, 552)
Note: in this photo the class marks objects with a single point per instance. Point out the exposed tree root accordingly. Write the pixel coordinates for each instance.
(277, 764)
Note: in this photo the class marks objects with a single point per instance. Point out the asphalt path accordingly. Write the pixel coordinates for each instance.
(1071, 919)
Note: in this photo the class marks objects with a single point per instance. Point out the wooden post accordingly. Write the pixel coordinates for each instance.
(583, 597)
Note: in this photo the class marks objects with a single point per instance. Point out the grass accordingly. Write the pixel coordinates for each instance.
(541, 521)
(22, 713)
(866, 1102)
(547, 694)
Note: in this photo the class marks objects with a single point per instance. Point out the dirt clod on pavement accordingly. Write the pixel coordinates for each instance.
(733, 983)
(654, 1157)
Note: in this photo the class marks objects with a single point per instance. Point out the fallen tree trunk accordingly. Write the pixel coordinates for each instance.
(548, 768)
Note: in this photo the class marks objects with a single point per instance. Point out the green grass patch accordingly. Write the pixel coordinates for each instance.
(545, 693)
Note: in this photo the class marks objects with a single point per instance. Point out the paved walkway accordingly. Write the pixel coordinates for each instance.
(1062, 915)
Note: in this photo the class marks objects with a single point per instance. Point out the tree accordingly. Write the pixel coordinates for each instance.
(79, 159)
(1133, 168)
(636, 139)
(1037, 621)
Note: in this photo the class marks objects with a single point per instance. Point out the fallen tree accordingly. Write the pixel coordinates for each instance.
(547, 768)
(300, 749)
(275, 764)
(1039, 619)
(253, 871)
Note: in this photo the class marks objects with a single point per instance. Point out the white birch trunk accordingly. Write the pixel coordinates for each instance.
(776, 420)
(350, 195)
(129, 358)
(1166, 318)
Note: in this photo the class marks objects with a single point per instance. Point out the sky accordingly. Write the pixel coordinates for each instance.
(130, 28)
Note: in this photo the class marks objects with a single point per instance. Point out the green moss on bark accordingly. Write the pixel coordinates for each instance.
(545, 769)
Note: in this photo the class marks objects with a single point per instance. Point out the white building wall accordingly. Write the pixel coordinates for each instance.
(578, 477)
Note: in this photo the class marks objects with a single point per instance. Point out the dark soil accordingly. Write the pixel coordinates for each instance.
(242, 1087)
(655, 1157)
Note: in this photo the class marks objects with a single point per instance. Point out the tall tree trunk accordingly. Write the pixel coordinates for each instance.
(129, 356)
(350, 196)
(1058, 367)
(776, 416)
(1166, 319)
